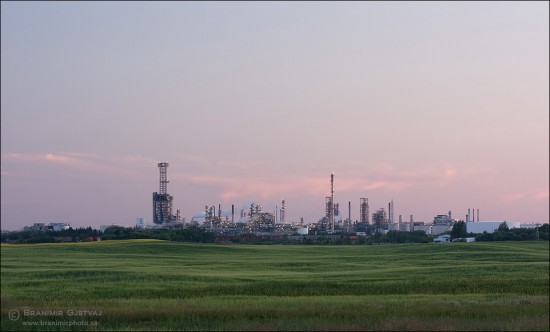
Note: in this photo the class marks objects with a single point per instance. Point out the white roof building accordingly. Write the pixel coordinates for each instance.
(488, 226)
(443, 238)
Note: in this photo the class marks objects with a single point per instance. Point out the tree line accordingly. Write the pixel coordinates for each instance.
(196, 234)
(192, 234)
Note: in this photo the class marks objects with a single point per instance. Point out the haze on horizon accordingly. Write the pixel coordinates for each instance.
(440, 106)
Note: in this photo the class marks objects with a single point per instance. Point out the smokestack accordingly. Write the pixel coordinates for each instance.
(468, 216)
(332, 201)
(450, 215)
(349, 210)
(283, 212)
(477, 215)
(220, 211)
(232, 213)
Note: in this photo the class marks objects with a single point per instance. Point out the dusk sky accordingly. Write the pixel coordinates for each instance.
(440, 106)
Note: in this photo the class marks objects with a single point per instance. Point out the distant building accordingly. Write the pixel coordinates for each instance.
(443, 238)
(140, 223)
(37, 226)
(488, 226)
(438, 229)
(162, 201)
(532, 225)
(303, 231)
(394, 227)
(379, 220)
(43, 227)
(425, 228)
(443, 219)
(58, 226)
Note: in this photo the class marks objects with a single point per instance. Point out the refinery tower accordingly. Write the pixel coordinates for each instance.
(162, 201)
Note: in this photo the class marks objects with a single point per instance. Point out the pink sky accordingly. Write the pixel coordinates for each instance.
(440, 106)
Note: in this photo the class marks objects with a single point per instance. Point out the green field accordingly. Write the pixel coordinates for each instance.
(157, 285)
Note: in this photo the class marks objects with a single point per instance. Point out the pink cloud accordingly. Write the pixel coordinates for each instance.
(233, 184)
(541, 194)
(79, 161)
(536, 194)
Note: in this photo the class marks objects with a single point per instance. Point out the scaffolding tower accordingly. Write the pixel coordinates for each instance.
(162, 201)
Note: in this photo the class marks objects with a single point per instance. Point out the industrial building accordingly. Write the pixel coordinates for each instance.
(140, 223)
(162, 201)
(489, 226)
(43, 227)
(258, 222)
(442, 239)
(443, 220)
(379, 220)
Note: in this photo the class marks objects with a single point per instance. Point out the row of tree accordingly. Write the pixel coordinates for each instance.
(36, 236)
(193, 234)
(340, 239)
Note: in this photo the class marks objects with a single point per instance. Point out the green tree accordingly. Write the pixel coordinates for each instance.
(503, 227)
(459, 230)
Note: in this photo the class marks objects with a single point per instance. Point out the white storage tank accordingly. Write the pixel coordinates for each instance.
(303, 231)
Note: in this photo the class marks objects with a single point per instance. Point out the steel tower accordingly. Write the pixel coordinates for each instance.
(162, 201)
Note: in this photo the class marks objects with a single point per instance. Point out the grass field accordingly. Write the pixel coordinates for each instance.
(157, 285)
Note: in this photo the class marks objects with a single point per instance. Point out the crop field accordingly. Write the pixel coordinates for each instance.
(158, 285)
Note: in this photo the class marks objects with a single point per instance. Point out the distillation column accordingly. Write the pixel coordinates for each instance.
(364, 210)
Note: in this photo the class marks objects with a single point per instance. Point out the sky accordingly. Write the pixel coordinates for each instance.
(438, 106)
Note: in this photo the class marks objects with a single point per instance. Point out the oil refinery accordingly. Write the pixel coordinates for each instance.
(253, 220)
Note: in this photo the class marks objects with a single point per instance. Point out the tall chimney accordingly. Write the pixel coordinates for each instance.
(477, 215)
(232, 213)
(332, 201)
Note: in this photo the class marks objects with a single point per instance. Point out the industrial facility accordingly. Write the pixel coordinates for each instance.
(162, 202)
(253, 220)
